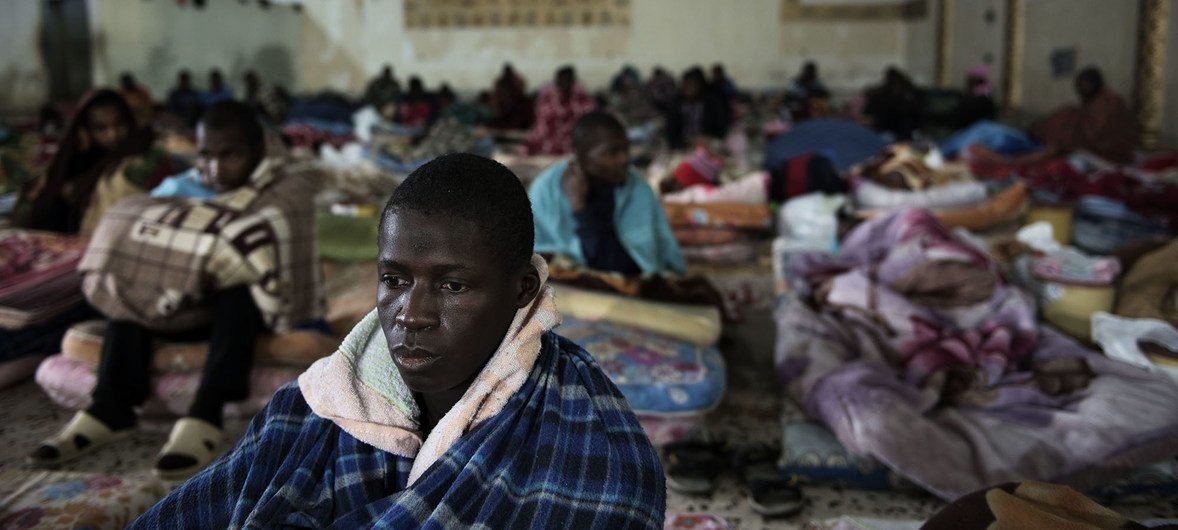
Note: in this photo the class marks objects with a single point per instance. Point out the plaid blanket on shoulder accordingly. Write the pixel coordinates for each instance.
(564, 452)
(153, 260)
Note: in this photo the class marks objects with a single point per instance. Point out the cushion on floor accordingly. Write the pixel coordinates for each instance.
(811, 453)
(70, 383)
(719, 215)
(38, 276)
(707, 236)
(347, 238)
(1150, 287)
(57, 499)
(1007, 206)
(695, 324)
(721, 253)
(83, 342)
(659, 376)
(872, 196)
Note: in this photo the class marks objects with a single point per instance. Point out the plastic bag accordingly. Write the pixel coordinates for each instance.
(1119, 338)
(812, 219)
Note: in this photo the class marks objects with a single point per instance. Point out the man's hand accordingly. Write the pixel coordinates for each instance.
(576, 186)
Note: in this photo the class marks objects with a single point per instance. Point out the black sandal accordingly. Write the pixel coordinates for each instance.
(771, 493)
(692, 466)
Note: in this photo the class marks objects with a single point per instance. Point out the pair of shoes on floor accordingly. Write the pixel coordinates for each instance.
(692, 467)
(191, 445)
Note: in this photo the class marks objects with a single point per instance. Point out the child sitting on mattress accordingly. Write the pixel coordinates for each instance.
(452, 405)
(224, 268)
(597, 211)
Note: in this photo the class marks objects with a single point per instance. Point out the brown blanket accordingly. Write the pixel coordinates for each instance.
(154, 260)
(1018, 505)
(1150, 289)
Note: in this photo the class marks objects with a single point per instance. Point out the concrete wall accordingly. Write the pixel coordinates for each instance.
(344, 43)
(978, 32)
(24, 82)
(156, 39)
(1170, 108)
(1103, 33)
(340, 44)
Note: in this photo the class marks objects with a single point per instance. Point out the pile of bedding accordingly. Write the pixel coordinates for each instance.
(1113, 205)
(905, 177)
(717, 216)
(40, 297)
(912, 348)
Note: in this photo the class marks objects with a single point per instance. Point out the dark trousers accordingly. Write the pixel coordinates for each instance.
(124, 373)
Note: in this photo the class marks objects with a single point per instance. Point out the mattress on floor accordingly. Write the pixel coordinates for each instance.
(70, 383)
(347, 238)
(38, 276)
(708, 236)
(694, 324)
(719, 215)
(58, 499)
(732, 253)
(670, 384)
(83, 343)
(872, 196)
(812, 454)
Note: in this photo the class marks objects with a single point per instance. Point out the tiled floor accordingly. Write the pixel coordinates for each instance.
(751, 412)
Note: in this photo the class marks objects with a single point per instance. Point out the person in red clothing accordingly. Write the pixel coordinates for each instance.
(557, 108)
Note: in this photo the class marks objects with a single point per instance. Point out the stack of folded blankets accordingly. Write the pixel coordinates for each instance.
(661, 355)
(717, 222)
(40, 296)
(905, 177)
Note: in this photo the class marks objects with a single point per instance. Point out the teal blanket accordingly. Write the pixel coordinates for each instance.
(642, 226)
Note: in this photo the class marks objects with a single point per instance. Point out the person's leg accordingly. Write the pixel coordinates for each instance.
(124, 374)
(123, 382)
(237, 324)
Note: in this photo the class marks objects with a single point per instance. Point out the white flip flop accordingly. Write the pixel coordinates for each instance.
(84, 433)
(194, 438)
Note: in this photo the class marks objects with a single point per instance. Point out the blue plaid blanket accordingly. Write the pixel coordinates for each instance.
(565, 452)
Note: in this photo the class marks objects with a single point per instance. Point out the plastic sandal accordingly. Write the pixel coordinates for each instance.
(84, 433)
(193, 439)
(692, 466)
(771, 493)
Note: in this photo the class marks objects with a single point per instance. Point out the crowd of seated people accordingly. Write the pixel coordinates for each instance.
(459, 360)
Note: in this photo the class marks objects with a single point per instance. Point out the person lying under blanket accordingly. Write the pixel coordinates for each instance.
(1101, 124)
(596, 210)
(225, 269)
(453, 404)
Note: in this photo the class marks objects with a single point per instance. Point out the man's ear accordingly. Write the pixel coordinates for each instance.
(529, 286)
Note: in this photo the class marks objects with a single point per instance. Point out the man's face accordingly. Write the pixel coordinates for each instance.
(607, 159)
(565, 82)
(106, 127)
(1085, 89)
(444, 300)
(224, 158)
